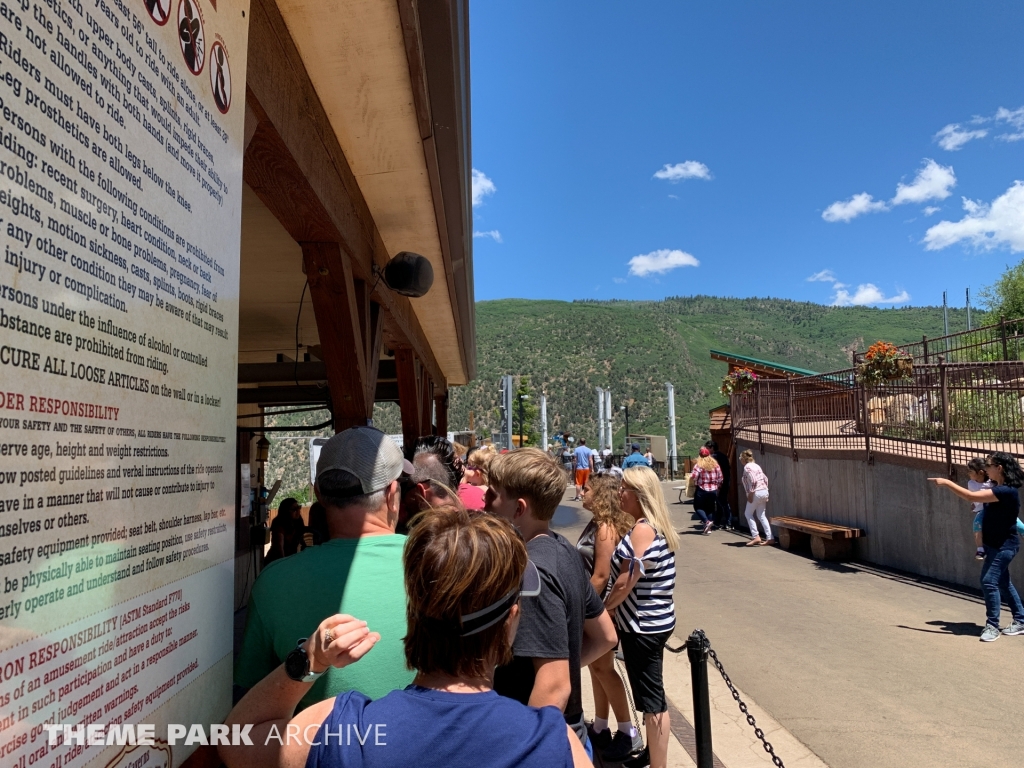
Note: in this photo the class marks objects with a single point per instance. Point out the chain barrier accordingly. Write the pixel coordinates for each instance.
(736, 697)
(620, 670)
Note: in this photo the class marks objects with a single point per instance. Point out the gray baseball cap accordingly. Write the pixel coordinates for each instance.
(366, 453)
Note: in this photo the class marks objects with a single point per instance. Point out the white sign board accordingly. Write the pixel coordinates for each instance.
(121, 133)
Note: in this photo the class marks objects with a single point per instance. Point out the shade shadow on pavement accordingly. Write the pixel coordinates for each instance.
(968, 628)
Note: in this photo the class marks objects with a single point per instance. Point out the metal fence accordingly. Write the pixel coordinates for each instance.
(1000, 341)
(946, 412)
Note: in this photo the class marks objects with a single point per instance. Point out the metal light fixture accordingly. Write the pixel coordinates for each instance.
(263, 450)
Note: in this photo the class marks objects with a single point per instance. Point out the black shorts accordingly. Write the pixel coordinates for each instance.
(644, 655)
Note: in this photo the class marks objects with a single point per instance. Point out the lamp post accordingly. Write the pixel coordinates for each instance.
(520, 398)
(625, 408)
(544, 421)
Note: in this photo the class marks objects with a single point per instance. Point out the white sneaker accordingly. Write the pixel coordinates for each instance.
(990, 633)
(1017, 628)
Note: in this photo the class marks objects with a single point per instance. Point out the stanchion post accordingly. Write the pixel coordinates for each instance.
(697, 650)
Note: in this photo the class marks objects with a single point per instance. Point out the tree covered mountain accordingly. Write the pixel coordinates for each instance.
(566, 349)
(569, 348)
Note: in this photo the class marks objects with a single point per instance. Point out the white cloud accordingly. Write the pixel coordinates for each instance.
(661, 261)
(482, 187)
(494, 234)
(953, 136)
(847, 210)
(933, 182)
(866, 293)
(1015, 117)
(993, 225)
(619, 280)
(930, 210)
(691, 169)
(825, 276)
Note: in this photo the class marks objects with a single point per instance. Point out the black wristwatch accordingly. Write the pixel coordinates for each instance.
(296, 664)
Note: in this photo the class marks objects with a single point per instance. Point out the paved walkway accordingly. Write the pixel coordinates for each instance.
(864, 666)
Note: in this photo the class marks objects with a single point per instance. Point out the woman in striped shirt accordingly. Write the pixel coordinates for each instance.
(644, 572)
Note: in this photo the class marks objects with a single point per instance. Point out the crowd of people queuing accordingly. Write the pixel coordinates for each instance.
(436, 601)
(476, 618)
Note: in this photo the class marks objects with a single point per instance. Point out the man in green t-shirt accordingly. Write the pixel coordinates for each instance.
(357, 572)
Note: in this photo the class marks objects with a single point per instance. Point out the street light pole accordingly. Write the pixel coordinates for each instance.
(608, 415)
(672, 426)
(625, 449)
(544, 421)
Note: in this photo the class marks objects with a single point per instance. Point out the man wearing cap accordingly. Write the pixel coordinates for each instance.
(635, 459)
(358, 572)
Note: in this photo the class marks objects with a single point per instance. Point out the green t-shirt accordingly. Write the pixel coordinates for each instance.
(360, 577)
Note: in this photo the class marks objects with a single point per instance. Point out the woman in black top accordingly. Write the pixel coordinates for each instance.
(999, 538)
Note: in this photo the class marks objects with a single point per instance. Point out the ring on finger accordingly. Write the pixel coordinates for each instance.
(328, 637)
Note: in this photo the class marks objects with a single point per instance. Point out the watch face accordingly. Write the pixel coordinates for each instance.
(296, 664)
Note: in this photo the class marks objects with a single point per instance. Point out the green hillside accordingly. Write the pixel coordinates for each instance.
(633, 348)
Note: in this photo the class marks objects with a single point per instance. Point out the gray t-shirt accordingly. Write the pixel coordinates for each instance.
(551, 626)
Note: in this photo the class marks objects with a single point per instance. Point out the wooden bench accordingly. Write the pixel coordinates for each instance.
(828, 542)
(686, 490)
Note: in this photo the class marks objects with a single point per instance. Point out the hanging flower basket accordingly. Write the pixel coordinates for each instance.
(738, 381)
(884, 362)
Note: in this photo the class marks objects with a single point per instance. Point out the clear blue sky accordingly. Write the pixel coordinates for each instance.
(782, 131)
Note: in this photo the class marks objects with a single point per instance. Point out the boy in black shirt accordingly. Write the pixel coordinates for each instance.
(565, 627)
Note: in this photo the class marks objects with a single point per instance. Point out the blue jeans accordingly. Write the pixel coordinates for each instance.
(995, 582)
(703, 503)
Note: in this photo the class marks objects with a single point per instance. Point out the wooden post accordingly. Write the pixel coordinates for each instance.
(350, 327)
(1002, 332)
(867, 423)
(789, 414)
(943, 382)
(757, 405)
(411, 383)
(441, 412)
(924, 343)
(427, 406)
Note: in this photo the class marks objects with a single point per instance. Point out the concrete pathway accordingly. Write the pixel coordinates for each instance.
(735, 745)
(842, 664)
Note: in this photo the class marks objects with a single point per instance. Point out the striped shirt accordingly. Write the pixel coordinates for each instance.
(707, 479)
(754, 479)
(649, 608)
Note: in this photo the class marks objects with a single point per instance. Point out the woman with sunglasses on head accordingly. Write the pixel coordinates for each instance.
(474, 478)
(464, 575)
(999, 539)
(643, 568)
(596, 545)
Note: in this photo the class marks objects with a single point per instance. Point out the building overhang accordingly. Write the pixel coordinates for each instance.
(393, 79)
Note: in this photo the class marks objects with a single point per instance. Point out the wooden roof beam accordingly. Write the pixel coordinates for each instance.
(294, 164)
